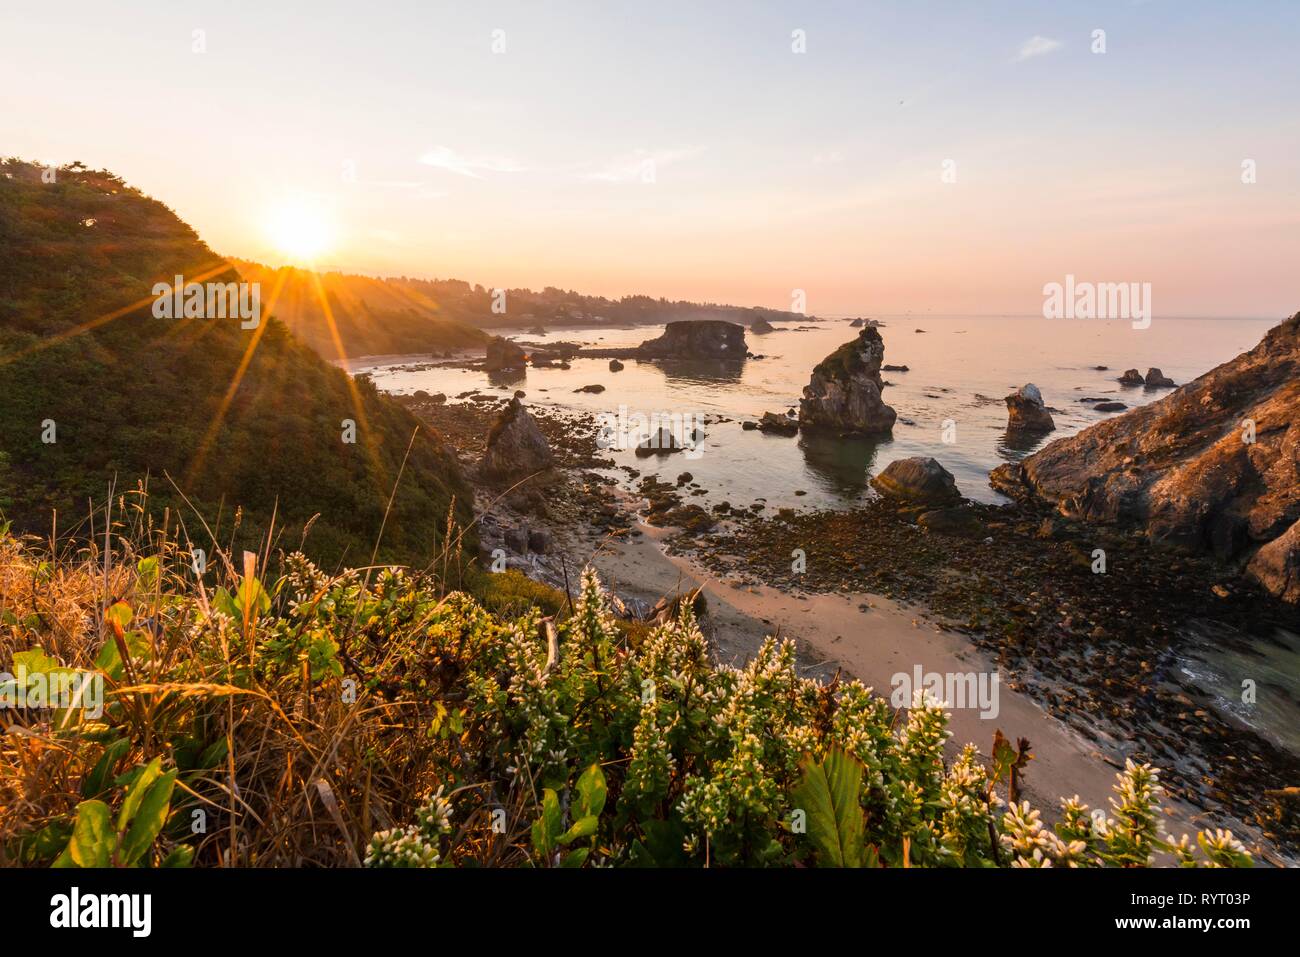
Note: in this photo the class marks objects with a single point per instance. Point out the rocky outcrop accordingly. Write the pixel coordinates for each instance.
(515, 446)
(662, 442)
(778, 424)
(1155, 379)
(1213, 466)
(1026, 411)
(1131, 377)
(1276, 566)
(919, 479)
(615, 365)
(843, 394)
(503, 354)
(761, 326)
(697, 339)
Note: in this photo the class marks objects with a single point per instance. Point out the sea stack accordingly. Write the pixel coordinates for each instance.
(515, 446)
(697, 339)
(844, 392)
(503, 354)
(1026, 411)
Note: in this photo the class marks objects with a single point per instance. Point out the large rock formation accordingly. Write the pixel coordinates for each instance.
(844, 392)
(503, 354)
(515, 446)
(1026, 411)
(919, 479)
(697, 339)
(761, 326)
(1213, 466)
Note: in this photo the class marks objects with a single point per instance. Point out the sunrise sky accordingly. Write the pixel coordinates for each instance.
(773, 170)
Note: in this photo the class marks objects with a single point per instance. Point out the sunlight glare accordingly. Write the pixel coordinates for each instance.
(301, 229)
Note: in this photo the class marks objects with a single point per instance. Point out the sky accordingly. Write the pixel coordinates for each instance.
(882, 158)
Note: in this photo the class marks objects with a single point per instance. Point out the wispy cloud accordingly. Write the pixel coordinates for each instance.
(640, 166)
(1037, 46)
(444, 157)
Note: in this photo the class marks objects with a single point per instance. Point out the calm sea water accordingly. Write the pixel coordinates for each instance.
(960, 370)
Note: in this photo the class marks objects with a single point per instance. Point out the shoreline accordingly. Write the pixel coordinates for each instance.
(1085, 700)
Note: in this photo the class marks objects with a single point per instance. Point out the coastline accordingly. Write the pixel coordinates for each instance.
(1085, 700)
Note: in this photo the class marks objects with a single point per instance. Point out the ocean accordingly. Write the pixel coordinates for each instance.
(950, 402)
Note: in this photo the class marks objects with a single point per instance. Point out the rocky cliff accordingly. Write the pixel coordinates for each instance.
(1214, 466)
(844, 392)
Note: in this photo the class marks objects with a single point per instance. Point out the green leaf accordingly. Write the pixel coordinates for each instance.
(547, 827)
(181, 856)
(93, 840)
(222, 602)
(109, 659)
(119, 612)
(136, 791)
(591, 792)
(149, 819)
(97, 781)
(252, 596)
(582, 827)
(36, 662)
(147, 570)
(829, 794)
(575, 858)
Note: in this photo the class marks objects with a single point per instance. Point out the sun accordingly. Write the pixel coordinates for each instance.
(301, 229)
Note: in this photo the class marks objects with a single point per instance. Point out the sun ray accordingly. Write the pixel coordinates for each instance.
(98, 321)
(201, 452)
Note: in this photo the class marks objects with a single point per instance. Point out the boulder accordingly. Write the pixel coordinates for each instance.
(1026, 411)
(778, 424)
(661, 443)
(843, 394)
(615, 365)
(516, 539)
(761, 326)
(956, 520)
(539, 540)
(515, 445)
(1109, 407)
(1131, 377)
(1156, 379)
(504, 354)
(856, 324)
(919, 479)
(1276, 566)
(1184, 470)
(697, 339)
(593, 389)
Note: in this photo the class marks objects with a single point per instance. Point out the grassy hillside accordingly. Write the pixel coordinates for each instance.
(247, 419)
(368, 316)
